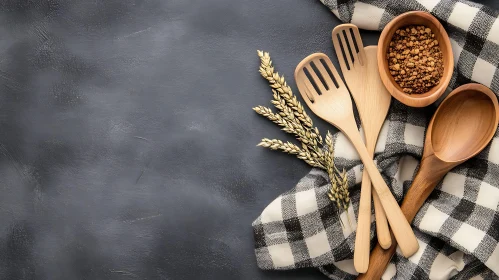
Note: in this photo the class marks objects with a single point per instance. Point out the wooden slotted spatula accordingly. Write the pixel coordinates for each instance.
(359, 66)
(329, 99)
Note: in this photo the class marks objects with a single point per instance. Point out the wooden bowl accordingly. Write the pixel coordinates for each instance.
(417, 18)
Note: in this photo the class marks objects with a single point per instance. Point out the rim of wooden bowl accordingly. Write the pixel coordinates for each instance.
(422, 18)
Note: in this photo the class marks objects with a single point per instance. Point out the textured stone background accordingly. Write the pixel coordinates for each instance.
(127, 146)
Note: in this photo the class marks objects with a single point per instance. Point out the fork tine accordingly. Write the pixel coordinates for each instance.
(345, 49)
(333, 70)
(352, 48)
(360, 45)
(327, 78)
(316, 79)
(337, 48)
(361, 54)
(305, 88)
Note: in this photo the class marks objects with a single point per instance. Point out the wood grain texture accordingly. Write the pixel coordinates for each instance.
(419, 18)
(461, 127)
(331, 102)
(382, 229)
(372, 101)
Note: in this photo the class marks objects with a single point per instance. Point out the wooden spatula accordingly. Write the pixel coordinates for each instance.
(359, 66)
(329, 99)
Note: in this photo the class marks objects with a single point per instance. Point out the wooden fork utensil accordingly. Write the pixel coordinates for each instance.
(359, 66)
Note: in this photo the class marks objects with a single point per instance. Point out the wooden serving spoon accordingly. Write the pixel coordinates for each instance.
(462, 127)
(327, 96)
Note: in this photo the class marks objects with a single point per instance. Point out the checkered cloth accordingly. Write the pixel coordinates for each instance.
(458, 226)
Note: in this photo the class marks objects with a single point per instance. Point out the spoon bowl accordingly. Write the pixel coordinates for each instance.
(460, 120)
(463, 125)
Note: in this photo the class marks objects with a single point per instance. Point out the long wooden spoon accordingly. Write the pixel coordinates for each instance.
(372, 100)
(462, 127)
(327, 96)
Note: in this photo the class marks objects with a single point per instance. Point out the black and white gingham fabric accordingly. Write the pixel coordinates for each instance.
(458, 226)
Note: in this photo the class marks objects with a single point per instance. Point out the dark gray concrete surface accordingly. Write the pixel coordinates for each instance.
(127, 147)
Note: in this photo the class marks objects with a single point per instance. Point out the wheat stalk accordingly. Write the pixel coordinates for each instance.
(277, 82)
(290, 108)
(283, 92)
(294, 120)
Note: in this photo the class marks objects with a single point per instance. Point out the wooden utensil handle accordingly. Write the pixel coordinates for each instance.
(378, 261)
(382, 230)
(431, 171)
(399, 225)
(363, 234)
(423, 184)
